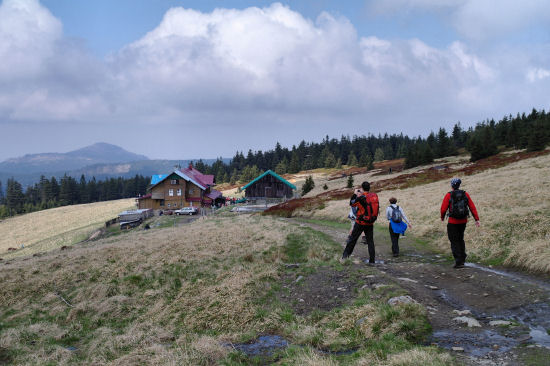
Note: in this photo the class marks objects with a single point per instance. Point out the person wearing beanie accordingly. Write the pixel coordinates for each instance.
(457, 206)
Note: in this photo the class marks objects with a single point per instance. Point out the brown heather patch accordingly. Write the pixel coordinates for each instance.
(403, 181)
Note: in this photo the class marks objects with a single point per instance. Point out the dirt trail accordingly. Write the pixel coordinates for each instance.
(483, 294)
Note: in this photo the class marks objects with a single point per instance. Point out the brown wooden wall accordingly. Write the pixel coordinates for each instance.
(269, 187)
(162, 200)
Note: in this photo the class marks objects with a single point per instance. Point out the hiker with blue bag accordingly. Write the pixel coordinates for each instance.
(398, 224)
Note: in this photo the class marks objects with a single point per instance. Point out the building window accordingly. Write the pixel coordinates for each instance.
(168, 205)
(173, 181)
(161, 203)
(176, 204)
(170, 192)
(179, 192)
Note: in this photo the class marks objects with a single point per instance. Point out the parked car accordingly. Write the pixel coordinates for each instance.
(186, 211)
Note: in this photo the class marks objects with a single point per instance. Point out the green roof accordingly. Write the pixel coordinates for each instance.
(271, 172)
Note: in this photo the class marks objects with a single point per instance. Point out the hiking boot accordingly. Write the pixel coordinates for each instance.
(396, 254)
(458, 265)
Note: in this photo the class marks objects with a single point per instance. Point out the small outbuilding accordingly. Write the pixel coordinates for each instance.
(269, 185)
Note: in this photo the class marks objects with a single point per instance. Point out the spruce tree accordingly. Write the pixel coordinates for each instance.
(82, 190)
(2, 196)
(14, 197)
(352, 160)
(330, 161)
(294, 165)
(412, 158)
(234, 176)
(53, 194)
(442, 145)
(308, 185)
(350, 181)
(537, 137)
(378, 154)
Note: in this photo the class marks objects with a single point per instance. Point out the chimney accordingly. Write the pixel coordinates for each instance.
(190, 165)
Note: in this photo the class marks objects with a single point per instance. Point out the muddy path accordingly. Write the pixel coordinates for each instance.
(508, 313)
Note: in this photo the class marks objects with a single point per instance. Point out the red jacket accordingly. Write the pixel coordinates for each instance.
(452, 220)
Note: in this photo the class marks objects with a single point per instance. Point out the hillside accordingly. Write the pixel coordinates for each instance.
(50, 229)
(511, 200)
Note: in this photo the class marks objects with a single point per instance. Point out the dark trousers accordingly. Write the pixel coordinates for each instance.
(394, 241)
(355, 234)
(456, 237)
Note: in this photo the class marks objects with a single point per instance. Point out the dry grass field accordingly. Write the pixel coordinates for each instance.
(48, 229)
(513, 203)
(183, 295)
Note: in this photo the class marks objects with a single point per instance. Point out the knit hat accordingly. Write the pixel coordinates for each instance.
(455, 183)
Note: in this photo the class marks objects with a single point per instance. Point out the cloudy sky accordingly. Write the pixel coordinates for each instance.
(188, 79)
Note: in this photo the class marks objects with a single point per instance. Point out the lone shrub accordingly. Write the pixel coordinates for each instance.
(308, 185)
(350, 181)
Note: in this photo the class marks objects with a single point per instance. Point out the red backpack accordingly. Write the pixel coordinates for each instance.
(368, 213)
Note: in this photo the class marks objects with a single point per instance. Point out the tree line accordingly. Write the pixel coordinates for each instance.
(487, 138)
(523, 131)
(49, 193)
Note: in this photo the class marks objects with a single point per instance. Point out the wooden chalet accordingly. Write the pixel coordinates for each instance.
(180, 188)
(269, 185)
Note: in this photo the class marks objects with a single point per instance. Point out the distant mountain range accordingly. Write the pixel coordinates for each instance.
(101, 160)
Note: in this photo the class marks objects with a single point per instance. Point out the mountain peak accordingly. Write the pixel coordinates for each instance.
(98, 153)
(107, 153)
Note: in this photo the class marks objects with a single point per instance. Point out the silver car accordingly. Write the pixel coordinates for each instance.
(186, 211)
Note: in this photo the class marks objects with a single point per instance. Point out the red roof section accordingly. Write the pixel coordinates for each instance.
(205, 180)
(214, 194)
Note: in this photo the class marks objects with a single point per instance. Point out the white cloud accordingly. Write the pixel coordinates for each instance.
(235, 70)
(475, 19)
(26, 27)
(43, 76)
(537, 74)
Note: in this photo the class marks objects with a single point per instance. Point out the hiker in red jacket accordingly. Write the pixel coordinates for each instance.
(367, 213)
(457, 205)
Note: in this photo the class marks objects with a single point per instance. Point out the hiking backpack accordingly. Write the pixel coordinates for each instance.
(396, 214)
(458, 205)
(371, 208)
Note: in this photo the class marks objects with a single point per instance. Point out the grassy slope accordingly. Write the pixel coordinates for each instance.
(48, 229)
(513, 203)
(176, 295)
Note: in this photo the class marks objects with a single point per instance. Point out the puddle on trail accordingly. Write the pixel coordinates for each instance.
(537, 318)
(263, 346)
(533, 319)
(474, 344)
(266, 345)
(515, 276)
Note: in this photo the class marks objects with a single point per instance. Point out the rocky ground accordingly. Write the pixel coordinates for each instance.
(483, 315)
